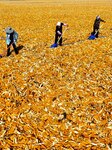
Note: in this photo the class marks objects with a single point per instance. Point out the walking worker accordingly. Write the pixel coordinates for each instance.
(96, 26)
(58, 32)
(11, 39)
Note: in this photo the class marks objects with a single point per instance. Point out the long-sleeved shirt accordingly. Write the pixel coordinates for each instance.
(59, 29)
(97, 23)
(10, 38)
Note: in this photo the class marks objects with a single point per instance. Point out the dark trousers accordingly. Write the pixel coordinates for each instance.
(95, 32)
(57, 38)
(8, 48)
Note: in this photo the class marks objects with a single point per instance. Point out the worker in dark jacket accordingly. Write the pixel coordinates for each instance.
(58, 32)
(11, 39)
(96, 26)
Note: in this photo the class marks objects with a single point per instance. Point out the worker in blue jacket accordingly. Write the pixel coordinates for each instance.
(11, 39)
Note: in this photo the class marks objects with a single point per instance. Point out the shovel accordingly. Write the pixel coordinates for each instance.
(56, 44)
(92, 36)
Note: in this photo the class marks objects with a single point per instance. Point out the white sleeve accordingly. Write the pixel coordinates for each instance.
(64, 24)
(59, 32)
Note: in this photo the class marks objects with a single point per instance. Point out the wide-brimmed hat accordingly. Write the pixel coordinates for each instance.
(9, 30)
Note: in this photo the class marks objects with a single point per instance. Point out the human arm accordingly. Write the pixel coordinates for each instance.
(102, 20)
(15, 36)
(59, 32)
(64, 24)
(8, 39)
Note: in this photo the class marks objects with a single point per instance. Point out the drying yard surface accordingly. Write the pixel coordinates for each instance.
(61, 98)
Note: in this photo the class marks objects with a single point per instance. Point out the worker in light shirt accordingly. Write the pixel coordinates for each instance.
(58, 32)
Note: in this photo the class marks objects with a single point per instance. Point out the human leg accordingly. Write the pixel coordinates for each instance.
(60, 41)
(8, 49)
(15, 48)
(56, 38)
